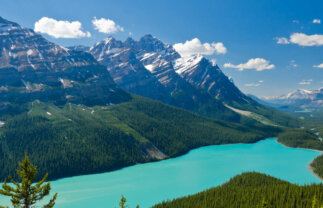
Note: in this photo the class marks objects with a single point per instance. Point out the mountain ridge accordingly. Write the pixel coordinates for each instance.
(193, 83)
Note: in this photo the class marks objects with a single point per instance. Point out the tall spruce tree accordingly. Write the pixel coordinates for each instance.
(24, 194)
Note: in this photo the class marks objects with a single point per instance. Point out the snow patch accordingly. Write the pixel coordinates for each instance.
(186, 65)
(48, 113)
(30, 52)
(150, 67)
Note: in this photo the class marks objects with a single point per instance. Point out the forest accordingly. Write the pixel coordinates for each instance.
(252, 190)
(75, 139)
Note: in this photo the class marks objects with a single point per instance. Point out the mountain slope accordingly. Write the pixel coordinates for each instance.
(75, 139)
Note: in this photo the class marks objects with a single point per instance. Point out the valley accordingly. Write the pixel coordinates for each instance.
(139, 118)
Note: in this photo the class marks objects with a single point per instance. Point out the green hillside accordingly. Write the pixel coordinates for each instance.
(253, 190)
(75, 139)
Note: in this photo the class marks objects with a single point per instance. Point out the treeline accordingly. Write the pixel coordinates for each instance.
(253, 190)
(301, 139)
(73, 140)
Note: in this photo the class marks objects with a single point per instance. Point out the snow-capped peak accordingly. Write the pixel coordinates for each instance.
(186, 64)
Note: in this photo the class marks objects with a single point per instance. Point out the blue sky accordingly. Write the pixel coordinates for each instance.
(248, 29)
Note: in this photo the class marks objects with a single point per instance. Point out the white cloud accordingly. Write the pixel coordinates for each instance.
(306, 40)
(296, 21)
(252, 85)
(316, 21)
(259, 64)
(106, 26)
(282, 40)
(194, 47)
(257, 84)
(319, 66)
(60, 29)
(306, 82)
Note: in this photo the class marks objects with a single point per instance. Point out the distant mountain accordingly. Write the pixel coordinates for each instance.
(300, 99)
(151, 68)
(33, 68)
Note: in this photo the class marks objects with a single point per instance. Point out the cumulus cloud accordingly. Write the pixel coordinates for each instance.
(259, 64)
(306, 40)
(282, 40)
(319, 66)
(302, 39)
(316, 21)
(60, 29)
(194, 47)
(255, 84)
(106, 26)
(306, 82)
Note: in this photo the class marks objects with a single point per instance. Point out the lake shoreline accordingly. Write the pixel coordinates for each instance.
(309, 166)
(187, 152)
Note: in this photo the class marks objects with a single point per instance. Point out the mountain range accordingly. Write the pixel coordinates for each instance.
(33, 68)
(298, 100)
(153, 69)
(71, 111)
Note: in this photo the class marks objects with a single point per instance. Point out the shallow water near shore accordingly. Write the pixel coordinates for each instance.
(200, 169)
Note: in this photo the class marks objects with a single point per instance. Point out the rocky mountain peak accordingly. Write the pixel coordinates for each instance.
(33, 68)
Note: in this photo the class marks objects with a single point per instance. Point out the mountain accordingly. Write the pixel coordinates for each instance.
(300, 99)
(33, 68)
(145, 68)
(252, 190)
(206, 75)
(153, 69)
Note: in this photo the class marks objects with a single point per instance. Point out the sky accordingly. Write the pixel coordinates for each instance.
(269, 48)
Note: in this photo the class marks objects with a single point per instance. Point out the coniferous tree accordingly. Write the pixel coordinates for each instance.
(24, 194)
(122, 202)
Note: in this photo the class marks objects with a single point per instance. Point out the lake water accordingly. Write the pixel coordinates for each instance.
(202, 168)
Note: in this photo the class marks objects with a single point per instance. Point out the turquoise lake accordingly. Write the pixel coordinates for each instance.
(200, 169)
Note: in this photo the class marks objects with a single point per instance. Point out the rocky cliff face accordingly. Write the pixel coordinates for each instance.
(33, 68)
(146, 67)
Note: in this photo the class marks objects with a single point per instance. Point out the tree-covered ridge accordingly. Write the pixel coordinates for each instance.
(317, 166)
(75, 139)
(300, 139)
(253, 190)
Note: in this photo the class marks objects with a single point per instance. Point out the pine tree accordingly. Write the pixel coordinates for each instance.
(122, 202)
(24, 194)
